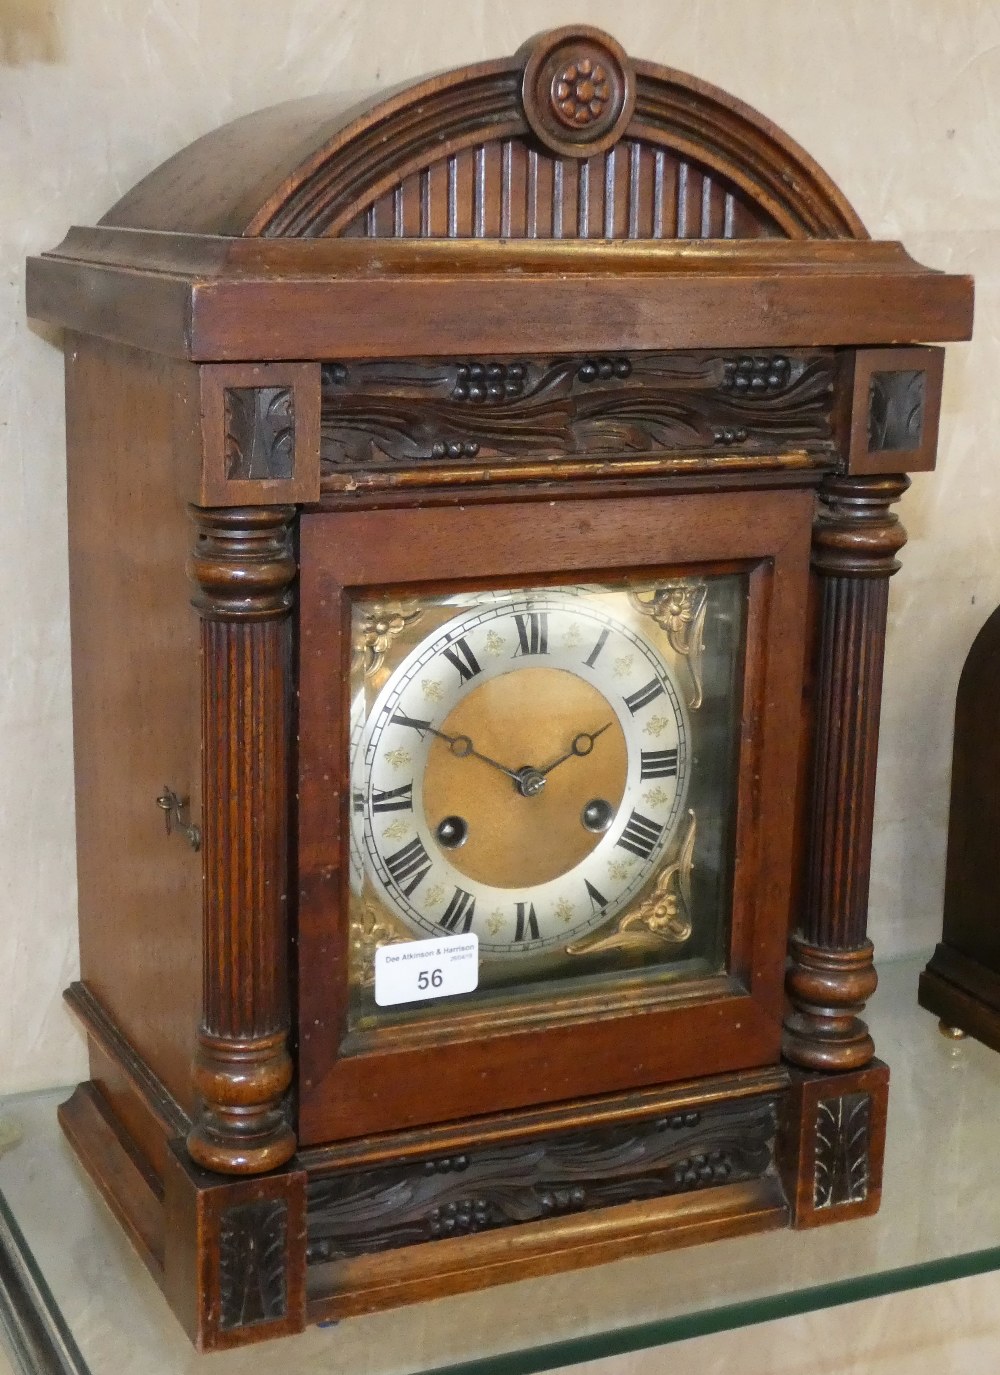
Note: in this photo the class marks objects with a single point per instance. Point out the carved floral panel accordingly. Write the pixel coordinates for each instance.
(472, 410)
(358, 1212)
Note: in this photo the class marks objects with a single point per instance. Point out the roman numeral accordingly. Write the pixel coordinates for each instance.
(644, 695)
(527, 922)
(658, 764)
(359, 800)
(461, 909)
(591, 658)
(640, 835)
(597, 900)
(411, 862)
(398, 719)
(393, 799)
(532, 633)
(464, 660)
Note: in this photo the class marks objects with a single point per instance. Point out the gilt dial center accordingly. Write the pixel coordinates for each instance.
(522, 810)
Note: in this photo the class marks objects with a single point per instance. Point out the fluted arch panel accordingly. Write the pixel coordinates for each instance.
(454, 157)
(508, 189)
(486, 151)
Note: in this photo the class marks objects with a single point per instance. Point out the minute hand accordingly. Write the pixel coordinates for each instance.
(581, 746)
(461, 747)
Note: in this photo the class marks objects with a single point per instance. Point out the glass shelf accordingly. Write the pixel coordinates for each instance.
(940, 1219)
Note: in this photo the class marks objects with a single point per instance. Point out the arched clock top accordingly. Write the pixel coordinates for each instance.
(568, 139)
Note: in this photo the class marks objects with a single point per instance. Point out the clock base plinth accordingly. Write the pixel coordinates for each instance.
(963, 992)
(243, 1259)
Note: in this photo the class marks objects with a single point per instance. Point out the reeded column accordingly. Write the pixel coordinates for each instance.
(831, 975)
(243, 566)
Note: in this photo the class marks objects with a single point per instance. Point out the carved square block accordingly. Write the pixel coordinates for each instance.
(832, 1143)
(895, 409)
(260, 433)
(234, 1263)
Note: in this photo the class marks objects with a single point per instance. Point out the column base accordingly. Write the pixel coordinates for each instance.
(827, 989)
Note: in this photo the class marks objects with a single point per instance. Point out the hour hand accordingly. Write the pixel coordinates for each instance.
(581, 747)
(461, 747)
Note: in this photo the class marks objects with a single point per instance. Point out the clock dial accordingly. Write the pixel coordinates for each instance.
(522, 773)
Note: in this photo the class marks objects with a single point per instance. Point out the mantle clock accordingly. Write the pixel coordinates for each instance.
(480, 527)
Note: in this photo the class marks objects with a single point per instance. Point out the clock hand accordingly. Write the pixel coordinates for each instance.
(461, 747)
(528, 781)
(581, 747)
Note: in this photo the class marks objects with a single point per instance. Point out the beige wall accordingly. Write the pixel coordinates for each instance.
(898, 100)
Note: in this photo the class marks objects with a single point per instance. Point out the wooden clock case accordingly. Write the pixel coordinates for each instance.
(273, 350)
(961, 983)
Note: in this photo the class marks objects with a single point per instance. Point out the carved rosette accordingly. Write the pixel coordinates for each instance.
(578, 91)
(831, 975)
(242, 567)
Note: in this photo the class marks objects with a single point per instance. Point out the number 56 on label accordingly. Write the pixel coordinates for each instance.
(415, 970)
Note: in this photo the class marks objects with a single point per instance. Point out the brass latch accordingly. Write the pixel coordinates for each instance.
(171, 805)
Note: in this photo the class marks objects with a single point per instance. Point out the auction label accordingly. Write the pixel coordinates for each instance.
(415, 970)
